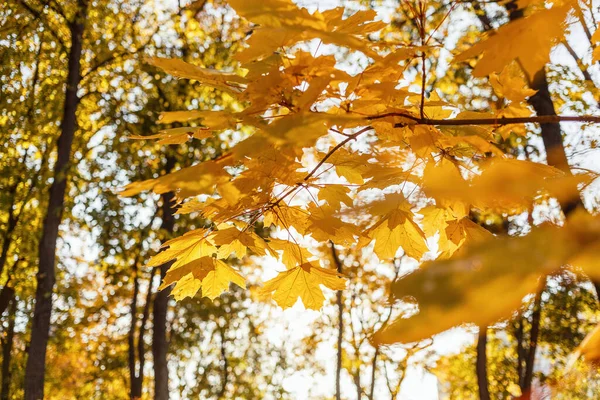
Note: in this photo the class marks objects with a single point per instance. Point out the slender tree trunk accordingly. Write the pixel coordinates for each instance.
(340, 306)
(160, 344)
(358, 385)
(40, 329)
(137, 377)
(225, 375)
(7, 346)
(533, 342)
(481, 365)
(6, 295)
(373, 374)
(520, 351)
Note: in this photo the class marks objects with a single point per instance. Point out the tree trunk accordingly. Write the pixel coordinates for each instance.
(40, 329)
(340, 306)
(520, 351)
(225, 374)
(135, 389)
(481, 365)
(533, 341)
(7, 346)
(373, 374)
(6, 295)
(160, 344)
(137, 378)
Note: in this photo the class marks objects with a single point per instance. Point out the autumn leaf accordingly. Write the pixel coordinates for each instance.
(210, 275)
(335, 196)
(230, 83)
(184, 249)
(282, 23)
(506, 185)
(198, 179)
(176, 135)
(396, 229)
(527, 40)
(589, 349)
(302, 282)
(457, 291)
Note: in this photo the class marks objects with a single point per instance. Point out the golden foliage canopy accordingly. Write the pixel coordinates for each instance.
(363, 160)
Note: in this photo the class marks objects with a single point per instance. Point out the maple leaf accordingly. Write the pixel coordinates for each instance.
(456, 291)
(207, 273)
(216, 120)
(232, 240)
(191, 181)
(589, 348)
(335, 195)
(230, 83)
(511, 84)
(506, 185)
(176, 135)
(595, 40)
(184, 249)
(302, 282)
(396, 229)
(282, 23)
(292, 254)
(527, 40)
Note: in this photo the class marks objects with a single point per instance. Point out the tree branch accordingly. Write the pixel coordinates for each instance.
(501, 121)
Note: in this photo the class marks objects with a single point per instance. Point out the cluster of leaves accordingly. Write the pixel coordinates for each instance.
(362, 160)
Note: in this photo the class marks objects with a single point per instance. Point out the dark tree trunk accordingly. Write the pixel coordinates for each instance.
(40, 329)
(160, 344)
(136, 377)
(11, 225)
(134, 381)
(225, 374)
(340, 306)
(481, 367)
(6, 295)
(7, 345)
(373, 374)
(533, 342)
(520, 351)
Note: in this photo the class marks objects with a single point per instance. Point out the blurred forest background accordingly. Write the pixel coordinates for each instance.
(74, 70)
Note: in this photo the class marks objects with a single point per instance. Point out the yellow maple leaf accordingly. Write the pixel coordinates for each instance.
(187, 182)
(302, 282)
(230, 83)
(511, 84)
(589, 348)
(176, 135)
(456, 291)
(232, 240)
(527, 40)
(216, 120)
(292, 254)
(395, 229)
(505, 185)
(335, 195)
(211, 275)
(282, 23)
(184, 249)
